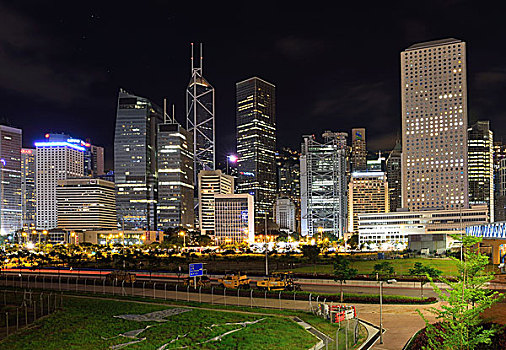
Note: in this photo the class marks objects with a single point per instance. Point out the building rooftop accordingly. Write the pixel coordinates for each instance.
(254, 78)
(433, 43)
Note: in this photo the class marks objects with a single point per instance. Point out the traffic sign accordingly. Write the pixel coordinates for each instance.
(196, 270)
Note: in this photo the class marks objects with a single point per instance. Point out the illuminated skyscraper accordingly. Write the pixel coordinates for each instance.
(394, 175)
(323, 185)
(358, 150)
(211, 183)
(10, 173)
(200, 118)
(367, 194)
(480, 164)
(434, 125)
(135, 173)
(175, 176)
(58, 157)
(256, 143)
(28, 198)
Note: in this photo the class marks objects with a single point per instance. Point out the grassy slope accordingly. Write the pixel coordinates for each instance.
(83, 322)
(401, 266)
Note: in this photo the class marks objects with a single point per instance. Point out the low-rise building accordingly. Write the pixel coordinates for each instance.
(391, 231)
(285, 214)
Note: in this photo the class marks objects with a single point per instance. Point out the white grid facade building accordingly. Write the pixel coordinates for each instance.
(54, 161)
(434, 125)
(234, 218)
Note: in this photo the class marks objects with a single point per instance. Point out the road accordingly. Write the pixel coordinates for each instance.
(399, 321)
(411, 289)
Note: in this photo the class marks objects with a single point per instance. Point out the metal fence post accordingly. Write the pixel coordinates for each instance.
(26, 315)
(133, 282)
(114, 281)
(280, 300)
(251, 298)
(165, 291)
(154, 290)
(265, 298)
(200, 294)
(188, 293)
(103, 286)
(123, 292)
(17, 318)
(144, 289)
(212, 295)
(34, 311)
(176, 290)
(225, 295)
(7, 322)
(238, 296)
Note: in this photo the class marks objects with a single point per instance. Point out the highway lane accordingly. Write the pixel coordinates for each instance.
(411, 289)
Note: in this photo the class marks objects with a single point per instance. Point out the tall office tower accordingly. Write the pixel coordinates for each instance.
(323, 185)
(500, 192)
(211, 182)
(288, 171)
(86, 204)
(358, 150)
(480, 165)
(175, 176)
(135, 173)
(434, 125)
(200, 118)
(394, 175)
(367, 194)
(10, 186)
(234, 218)
(256, 143)
(285, 214)
(28, 198)
(59, 157)
(94, 161)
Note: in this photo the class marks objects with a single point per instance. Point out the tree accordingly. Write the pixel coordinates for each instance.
(353, 242)
(311, 252)
(343, 271)
(383, 269)
(423, 271)
(459, 322)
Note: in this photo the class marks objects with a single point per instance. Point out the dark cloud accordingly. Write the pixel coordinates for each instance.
(297, 47)
(33, 64)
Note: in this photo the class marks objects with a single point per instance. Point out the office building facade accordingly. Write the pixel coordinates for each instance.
(10, 187)
(175, 177)
(256, 143)
(393, 230)
(480, 164)
(59, 157)
(358, 150)
(211, 183)
(285, 214)
(86, 204)
(434, 125)
(28, 194)
(135, 173)
(367, 193)
(234, 218)
(323, 185)
(394, 177)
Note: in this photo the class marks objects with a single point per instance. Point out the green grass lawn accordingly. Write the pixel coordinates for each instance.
(83, 323)
(401, 266)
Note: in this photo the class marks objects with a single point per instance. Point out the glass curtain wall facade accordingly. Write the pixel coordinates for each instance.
(175, 177)
(480, 164)
(323, 185)
(28, 199)
(135, 172)
(10, 186)
(256, 143)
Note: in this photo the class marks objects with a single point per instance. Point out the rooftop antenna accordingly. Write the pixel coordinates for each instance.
(165, 111)
(201, 57)
(174, 113)
(191, 46)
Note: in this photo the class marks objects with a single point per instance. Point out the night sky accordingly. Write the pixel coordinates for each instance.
(63, 62)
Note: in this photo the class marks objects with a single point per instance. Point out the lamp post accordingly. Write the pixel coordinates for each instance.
(3, 163)
(183, 234)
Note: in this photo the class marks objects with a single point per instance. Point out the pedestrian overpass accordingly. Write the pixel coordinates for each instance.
(494, 238)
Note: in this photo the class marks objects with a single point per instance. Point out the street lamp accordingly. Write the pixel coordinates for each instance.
(183, 234)
(320, 233)
(73, 235)
(381, 306)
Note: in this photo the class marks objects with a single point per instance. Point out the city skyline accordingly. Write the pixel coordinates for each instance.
(328, 94)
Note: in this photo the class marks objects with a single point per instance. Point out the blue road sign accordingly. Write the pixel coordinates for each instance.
(196, 270)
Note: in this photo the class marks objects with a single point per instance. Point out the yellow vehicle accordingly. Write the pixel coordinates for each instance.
(121, 276)
(202, 281)
(278, 281)
(234, 281)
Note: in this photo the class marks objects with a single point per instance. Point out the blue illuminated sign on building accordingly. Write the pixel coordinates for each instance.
(494, 230)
